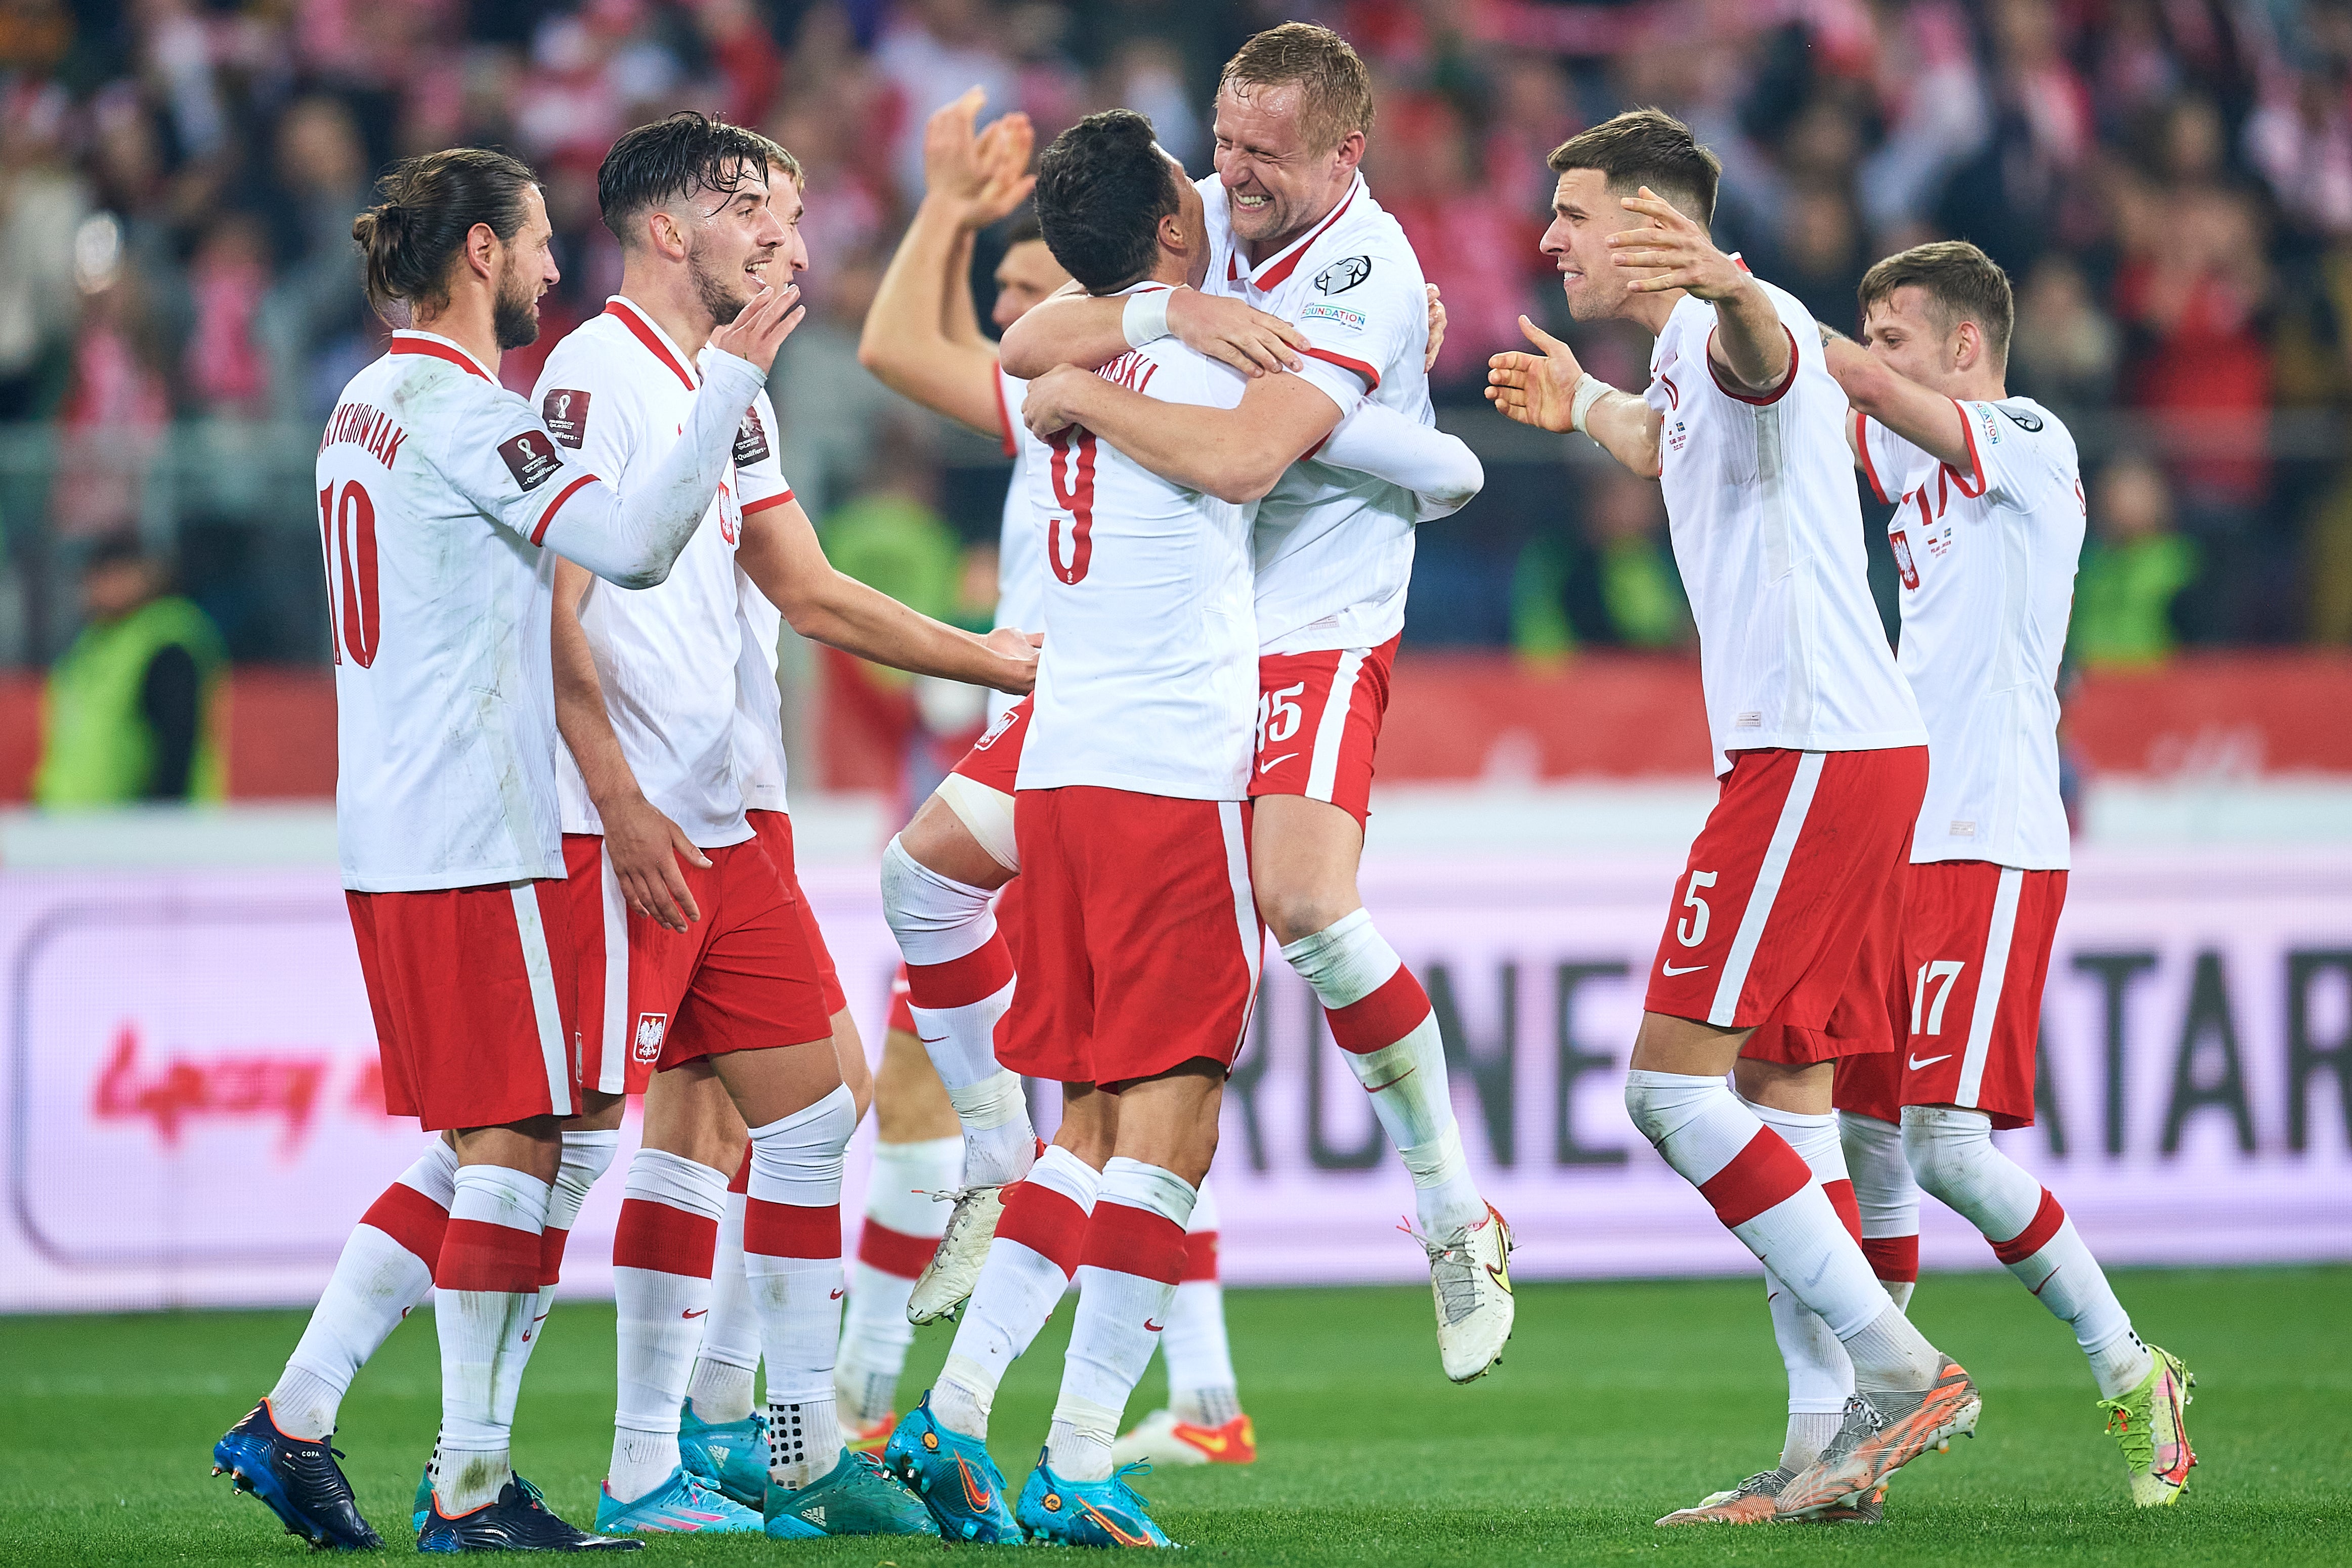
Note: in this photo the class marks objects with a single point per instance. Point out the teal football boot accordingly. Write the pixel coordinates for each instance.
(954, 1476)
(731, 1457)
(1057, 1513)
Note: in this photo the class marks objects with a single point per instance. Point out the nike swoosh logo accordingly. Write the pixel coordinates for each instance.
(979, 1497)
(1271, 763)
(1110, 1527)
(1685, 969)
(1916, 1064)
(1214, 1442)
(836, 1295)
(927, 1040)
(697, 1311)
(527, 1332)
(1151, 1327)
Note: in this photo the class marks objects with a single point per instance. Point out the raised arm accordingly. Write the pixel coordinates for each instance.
(1928, 419)
(1750, 344)
(643, 844)
(1233, 454)
(1553, 391)
(780, 553)
(922, 339)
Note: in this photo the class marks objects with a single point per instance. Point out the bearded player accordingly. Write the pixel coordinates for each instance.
(443, 500)
(1782, 915)
(1294, 232)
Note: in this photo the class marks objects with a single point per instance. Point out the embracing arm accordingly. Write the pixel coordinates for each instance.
(906, 341)
(1233, 454)
(781, 555)
(1928, 419)
(1074, 327)
(1440, 469)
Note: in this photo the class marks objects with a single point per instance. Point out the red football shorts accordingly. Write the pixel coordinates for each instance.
(774, 831)
(1137, 933)
(1803, 854)
(474, 992)
(995, 758)
(1975, 952)
(741, 977)
(1319, 721)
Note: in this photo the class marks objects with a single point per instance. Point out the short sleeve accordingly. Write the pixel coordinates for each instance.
(502, 457)
(2008, 450)
(1366, 316)
(759, 470)
(1894, 466)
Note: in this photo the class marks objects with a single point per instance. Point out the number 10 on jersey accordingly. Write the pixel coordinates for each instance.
(347, 536)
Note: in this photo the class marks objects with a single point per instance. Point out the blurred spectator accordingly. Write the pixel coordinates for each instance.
(1619, 590)
(316, 326)
(1821, 258)
(224, 370)
(116, 403)
(934, 50)
(42, 201)
(1477, 242)
(131, 711)
(2063, 351)
(2134, 569)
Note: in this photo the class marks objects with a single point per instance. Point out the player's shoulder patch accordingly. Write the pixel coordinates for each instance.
(1344, 274)
(1338, 315)
(565, 410)
(751, 439)
(2025, 419)
(531, 457)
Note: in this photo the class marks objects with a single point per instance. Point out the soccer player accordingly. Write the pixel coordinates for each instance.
(1987, 532)
(1135, 918)
(1294, 232)
(1816, 738)
(726, 1009)
(441, 497)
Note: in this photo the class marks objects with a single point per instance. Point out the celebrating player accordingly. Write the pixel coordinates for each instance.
(1816, 737)
(1987, 532)
(1295, 231)
(722, 966)
(438, 492)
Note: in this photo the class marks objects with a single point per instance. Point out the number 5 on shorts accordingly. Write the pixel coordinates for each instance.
(1689, 932)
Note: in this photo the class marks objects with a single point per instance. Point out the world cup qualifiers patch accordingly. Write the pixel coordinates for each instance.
(566, 413)
(750, 440)
(1322, 311)
(531, 458)
(1343, 274)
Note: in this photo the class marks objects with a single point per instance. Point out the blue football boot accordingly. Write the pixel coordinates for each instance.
(857, 1497)
(513, 1523)
(297, 1478)
(420, 1508)
(1086, 1514)
(731, 1457)
(954, 1476)
(680, 1505)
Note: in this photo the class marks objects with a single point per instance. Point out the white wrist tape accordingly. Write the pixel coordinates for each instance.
(1588, 393)
(1146, 320)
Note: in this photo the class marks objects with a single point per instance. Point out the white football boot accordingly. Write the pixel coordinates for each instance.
(1470, 1278)
(947, 1280)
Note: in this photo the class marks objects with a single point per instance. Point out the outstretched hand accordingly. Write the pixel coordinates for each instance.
(761, 330)
(985, 175)
(1675, 244)
(1537, 389)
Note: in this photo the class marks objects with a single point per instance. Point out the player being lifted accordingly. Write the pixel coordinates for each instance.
(1295, 231)
(725, 1021)
(443, 502)
(1816, 737)
(1987, 532)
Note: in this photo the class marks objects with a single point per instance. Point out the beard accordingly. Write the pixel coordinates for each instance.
(723, 299)
(514, 315)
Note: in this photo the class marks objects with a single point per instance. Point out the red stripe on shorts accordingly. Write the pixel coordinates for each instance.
(1393, 1010)
(894, 1252)
(790, 1230)
(1766, 1173)
(1134, 1241)
(1200, 1257)
(550, 1256)
(1046, 1222)
(959, 982)
(411, 1219)
(668, 1240)
(476, 1255)
(1841, 1196)
(2034, 1236)
(1895, 1258)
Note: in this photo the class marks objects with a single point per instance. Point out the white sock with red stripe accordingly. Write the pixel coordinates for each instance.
(1202, 1388)
(484, 1283)
(662, 1253)
(902, 1229)
(1029, 1264)
(959, 983)
(791, 1256)
(385, 1270)
(721, 1388)
(1381, 1019)
(1951, 1151)
(1764, 1193)
(1134, 1254)
(1887, 1200)
(1820, 1374)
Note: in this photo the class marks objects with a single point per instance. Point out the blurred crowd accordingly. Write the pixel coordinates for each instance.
(2168, 182)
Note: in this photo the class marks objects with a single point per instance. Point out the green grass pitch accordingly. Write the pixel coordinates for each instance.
(1615, 1403)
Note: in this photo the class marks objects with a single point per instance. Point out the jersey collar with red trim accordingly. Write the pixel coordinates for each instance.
(647, 332)
(408, 341)
(1276, 270)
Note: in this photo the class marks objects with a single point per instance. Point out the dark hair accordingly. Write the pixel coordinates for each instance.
(1335, 90)
(1022, 225)
(1963, 283)
(1102, 188)
(1647, 147)
(428, 205)
(674, 158)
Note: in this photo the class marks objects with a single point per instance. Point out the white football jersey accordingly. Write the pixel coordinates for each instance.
(1334, 547)
(1768, 535)
(1987, 561)
(437, 488)
(761, 768)
(1147, 680)
(617, 390)
(1021, 537)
